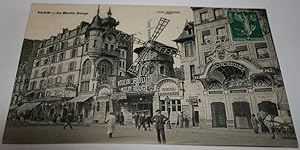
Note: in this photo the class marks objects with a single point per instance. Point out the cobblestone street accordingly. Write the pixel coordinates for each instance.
(130, 135)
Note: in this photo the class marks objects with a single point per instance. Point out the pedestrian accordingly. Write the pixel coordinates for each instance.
(142, 122)
(136, 119)
(254, 123)
(80, 119)
(121, 118)
(69, 119)
(55, 119)
(111, 124)
(180, 120)
(148, 122)
(159, 121)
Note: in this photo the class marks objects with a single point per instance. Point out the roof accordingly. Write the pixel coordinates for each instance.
(184, 35)
(96, 23)
(80, 98)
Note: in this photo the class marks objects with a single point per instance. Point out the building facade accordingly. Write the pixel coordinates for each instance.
(234, 72)
(70, 67)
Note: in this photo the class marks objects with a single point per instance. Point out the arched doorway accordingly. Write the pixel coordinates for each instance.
(242, 115)
(268, 107)
(218, 114)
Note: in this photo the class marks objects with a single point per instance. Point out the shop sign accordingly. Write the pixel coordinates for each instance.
(228, 64)
(168, 88)
(140, 84)
(103, 91)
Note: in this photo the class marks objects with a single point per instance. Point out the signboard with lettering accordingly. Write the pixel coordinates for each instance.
(168, 88)
(140, 84)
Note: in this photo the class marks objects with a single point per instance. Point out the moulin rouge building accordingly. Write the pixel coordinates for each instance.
(231, 68)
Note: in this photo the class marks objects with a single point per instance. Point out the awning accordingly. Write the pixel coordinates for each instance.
(80, 98)
(27, 106)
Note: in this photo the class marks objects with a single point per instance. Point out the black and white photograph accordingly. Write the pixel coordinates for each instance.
(142, 74)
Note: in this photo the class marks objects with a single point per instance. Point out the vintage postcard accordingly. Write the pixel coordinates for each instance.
(149, 75)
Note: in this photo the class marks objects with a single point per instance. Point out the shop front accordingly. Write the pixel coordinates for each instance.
(170, 99)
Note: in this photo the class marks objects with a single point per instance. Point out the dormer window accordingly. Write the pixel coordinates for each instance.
(204, 16)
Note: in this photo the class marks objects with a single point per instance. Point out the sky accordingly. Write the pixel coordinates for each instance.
(133, 20)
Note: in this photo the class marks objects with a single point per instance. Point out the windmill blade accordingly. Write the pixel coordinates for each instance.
(133, 69)
(159, 28)
(138, 41)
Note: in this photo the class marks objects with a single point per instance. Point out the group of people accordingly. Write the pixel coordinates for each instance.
(259, 120)
(159, 121)
(143, 120)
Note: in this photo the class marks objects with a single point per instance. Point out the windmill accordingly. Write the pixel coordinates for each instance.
(149, 47)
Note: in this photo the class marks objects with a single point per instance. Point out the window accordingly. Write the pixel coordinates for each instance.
(105, 67)
(123, 64)
(33, 85)
(94, 45)
(221, 31)
(111, 47)
(53, 58)
(86, 69)
(59, 70)
(84, 86)
(71, 79)
(44, 72)
(87, 47)
(178, 105)
(50, 82)
(120, 64)
(173, 105)
(57, 47)
(262, 50)
(46, 61)
(64, 44)
(36, 72)
(204, 16)
(73, 53)
(162, 69)
(123, 54)
(50, 49)
(58, 81)
(163, 105)
(120, 73)
(42, 84)
(72, 66)
(105, 46)
(77, 41)
(192, 72)
(37, 63)
(242, 51)
(61, 56)
(52, 70)
(189, 49)
(206, 37)
(219, 13)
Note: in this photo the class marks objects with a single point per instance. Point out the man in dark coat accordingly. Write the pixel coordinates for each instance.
(159, 121)
(69, 119)
(142, 122)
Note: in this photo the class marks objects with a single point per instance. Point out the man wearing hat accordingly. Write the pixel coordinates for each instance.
(159, 121)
